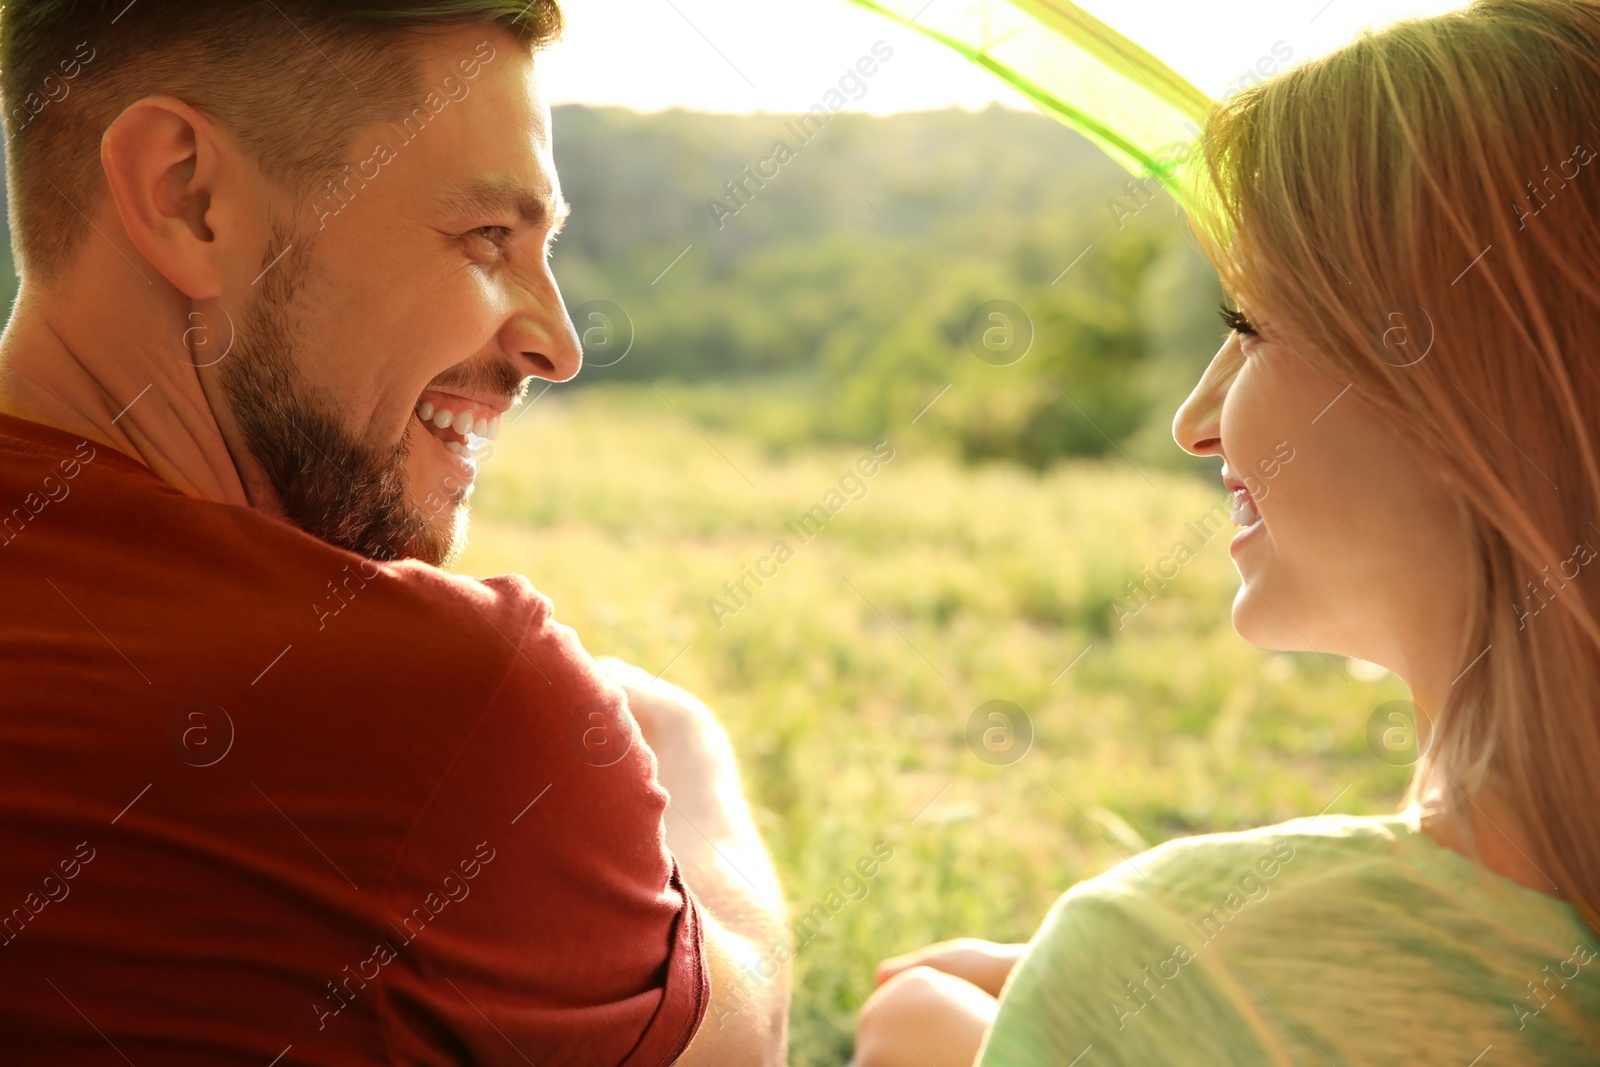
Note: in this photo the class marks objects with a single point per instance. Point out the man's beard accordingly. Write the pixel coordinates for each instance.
(328, 482)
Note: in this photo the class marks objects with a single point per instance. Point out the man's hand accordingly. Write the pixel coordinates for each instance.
(986, 964)
(726, 867)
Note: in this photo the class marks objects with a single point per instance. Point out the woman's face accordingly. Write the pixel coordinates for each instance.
(1348, 545)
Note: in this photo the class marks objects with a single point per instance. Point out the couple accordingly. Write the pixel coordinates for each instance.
(276, 789)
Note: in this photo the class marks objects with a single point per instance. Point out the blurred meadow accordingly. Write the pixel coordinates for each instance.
(726, 393)
(741, 365)
(748, 342)
(848, 680)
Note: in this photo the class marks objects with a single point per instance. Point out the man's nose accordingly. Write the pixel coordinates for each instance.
(541, 337)
(1197, 427)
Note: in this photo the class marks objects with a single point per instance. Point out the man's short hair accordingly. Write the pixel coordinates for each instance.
(291, 80)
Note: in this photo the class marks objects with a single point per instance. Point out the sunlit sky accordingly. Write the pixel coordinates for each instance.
(780, 55)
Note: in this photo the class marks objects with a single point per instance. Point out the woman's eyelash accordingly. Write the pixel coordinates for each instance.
(1234, 319)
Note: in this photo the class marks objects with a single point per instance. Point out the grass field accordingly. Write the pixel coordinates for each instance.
(848, 678)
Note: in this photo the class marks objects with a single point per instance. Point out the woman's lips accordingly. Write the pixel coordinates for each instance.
(1245, 515)
(1244, 536)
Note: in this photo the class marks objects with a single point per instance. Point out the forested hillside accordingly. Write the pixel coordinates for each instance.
(856, 261)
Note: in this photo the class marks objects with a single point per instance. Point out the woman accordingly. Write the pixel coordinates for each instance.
(1410, 228)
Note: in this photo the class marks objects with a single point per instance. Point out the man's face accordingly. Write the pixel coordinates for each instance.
(417, 286)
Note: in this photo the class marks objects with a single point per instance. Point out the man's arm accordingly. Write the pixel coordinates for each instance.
(723, 861)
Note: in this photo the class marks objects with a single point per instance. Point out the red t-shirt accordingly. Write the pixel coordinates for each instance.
(263, 801)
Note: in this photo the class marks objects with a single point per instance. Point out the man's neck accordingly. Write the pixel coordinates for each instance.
(109, 375)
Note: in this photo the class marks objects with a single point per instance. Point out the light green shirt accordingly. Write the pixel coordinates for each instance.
(1335, 940)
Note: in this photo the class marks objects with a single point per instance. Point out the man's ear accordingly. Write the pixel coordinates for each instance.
(164, 162)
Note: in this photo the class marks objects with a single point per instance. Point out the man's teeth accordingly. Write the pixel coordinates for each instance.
(1244, 511)
(462, 422)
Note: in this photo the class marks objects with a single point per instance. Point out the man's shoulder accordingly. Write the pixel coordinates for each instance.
(393, 619)
(176, 577)
(507, 603)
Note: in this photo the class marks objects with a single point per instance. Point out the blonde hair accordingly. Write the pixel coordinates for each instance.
(1437, 183)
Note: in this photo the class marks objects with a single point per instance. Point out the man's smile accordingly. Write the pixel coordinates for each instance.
(461, 424)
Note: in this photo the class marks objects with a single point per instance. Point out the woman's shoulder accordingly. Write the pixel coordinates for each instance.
(1189, 888)
(1333, 844)
(1347, 935)
(1345, 868)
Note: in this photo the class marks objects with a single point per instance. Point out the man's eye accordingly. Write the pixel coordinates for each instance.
(497, 237)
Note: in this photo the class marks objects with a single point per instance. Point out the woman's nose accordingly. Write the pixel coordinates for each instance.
(1197, 427)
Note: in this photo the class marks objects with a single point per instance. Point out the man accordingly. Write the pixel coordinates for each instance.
(275, 789)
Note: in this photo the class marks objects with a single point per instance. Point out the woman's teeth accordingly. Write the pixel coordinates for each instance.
(1244, 511)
